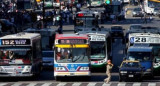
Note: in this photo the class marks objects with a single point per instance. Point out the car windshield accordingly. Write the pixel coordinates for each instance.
(48, 54)
(137, 9)
(130, 64)
(85, 22)
(141, 56)
(116, 28)
(135, 27)
(97, 50)
(72, 55)
(15, 56)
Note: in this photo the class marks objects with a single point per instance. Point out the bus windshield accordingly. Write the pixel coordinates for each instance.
(97, 50)
(15, 56)
(156, 49)
(72, 55)
(141, 56)
(85, 22)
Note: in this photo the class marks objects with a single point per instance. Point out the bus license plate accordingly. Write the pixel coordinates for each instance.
(130, 75)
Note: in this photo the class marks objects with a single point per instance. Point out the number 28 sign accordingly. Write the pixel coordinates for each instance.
(144, 40)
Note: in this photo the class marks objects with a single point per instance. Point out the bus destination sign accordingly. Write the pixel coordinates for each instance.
(72, 41)
(15, 42)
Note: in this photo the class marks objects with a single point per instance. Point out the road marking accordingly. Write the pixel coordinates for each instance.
(137, 84)
(16, 84)
(76, 84)
(46, 84)
(1, 84)
(106, 84)
(152, 84)
(121, 84)
(61, 84)
(91, 84)
(32, 84)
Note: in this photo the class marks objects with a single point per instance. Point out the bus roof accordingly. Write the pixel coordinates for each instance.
(105, 33)
(21, 36)
(145, 34)
(71, 36)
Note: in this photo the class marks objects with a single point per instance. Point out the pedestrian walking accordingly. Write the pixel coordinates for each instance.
(109, 67)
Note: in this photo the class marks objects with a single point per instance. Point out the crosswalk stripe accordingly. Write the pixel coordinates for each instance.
(108, 84)
(46, 84)
(91, 84)
(76, 84)
(121, 84)
(137, 84)
(152, 84)
(1, 84)
(32, 84)
(61, 84)
(16, 84)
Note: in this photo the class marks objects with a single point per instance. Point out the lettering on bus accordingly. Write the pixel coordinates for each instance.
(97, 38)
(146, 40)
(72, 41)
(15, 42)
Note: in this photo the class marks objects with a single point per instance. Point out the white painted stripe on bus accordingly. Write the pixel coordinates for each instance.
(76, 84)
(91, 84)
(137, 84)
(32, 84)
(106, 84)
(1, 84)
(152, 84)
(17, 84)
(121, 84)
(61, 84)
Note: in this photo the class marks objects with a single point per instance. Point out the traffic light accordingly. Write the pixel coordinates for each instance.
(108, 1)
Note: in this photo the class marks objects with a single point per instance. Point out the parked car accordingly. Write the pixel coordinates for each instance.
(130, 70)
(137, 12)
(48, 59)
(117, 32)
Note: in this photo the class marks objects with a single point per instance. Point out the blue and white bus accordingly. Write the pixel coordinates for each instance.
(71, 56)
(144, 54)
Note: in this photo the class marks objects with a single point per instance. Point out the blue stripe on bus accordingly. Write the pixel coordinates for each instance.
(72, 67)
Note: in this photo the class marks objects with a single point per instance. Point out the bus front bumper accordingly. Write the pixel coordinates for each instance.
(72, 73)
(16, 75)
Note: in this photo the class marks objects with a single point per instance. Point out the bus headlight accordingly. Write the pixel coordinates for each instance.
(148, 70)
(84, 69)
(60, 69)
(123, 72)
(27, 69)
(1, 69)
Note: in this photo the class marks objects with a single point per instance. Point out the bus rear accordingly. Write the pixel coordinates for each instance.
(71, 56)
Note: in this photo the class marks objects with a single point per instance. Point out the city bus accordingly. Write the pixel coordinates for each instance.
(151, 5)
(47, 36)
(100, 44)
(72, 54)
(153, 40)
(144, 54)
(20, 55)
(95, 3)
(85, 20)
